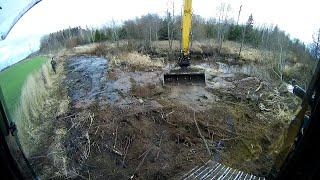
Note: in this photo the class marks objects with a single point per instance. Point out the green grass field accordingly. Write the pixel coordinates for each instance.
(13, 78)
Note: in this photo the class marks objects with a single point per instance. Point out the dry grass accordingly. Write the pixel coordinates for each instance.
(163, 46)
(229, 48)
(37, 101)
(47, 131)
(126, 53)
(69, 154)
(104, 48)
(248, 53)
(291, 70)
(84, 48)
(137, 61)
(278, 102)
(40, 119)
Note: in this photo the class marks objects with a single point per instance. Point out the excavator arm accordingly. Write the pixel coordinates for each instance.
(186, 74)
(186, 27)
(184, 60)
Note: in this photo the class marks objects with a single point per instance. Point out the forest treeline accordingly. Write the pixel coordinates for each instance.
(151, 27)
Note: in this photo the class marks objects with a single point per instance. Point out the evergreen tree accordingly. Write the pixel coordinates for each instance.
(97, 36)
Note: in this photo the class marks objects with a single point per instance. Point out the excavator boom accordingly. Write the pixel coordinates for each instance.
(184, 60)
(185, 75)
(186, 27)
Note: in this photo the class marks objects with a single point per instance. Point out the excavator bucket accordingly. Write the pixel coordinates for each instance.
(185, 77)
(185, 74)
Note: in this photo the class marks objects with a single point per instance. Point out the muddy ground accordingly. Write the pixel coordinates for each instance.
(127, 124)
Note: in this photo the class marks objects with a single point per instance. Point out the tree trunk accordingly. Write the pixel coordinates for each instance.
(170, 30)
(169, 34)
(150, 35)
(280, 64)
(239, 14)
(242, 41)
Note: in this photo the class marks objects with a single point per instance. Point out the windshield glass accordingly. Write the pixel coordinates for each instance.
(156, 89)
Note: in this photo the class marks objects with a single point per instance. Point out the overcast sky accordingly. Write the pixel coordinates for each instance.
(300, 18)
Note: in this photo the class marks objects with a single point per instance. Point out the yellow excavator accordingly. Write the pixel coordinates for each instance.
(185, 74)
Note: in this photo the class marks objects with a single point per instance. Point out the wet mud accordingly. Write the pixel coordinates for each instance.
(144, 129)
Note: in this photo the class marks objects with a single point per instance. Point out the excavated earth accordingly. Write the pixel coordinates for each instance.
(137, 127)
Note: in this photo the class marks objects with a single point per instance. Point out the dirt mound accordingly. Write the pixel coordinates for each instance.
(138, 128)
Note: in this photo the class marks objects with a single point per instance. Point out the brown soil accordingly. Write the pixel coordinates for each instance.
(131, 126)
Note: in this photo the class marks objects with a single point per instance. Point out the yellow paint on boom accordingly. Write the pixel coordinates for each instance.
(186, 26)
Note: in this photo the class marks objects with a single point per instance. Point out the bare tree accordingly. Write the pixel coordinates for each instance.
(248, 25)
(92, 35)
(315, 49)
(115, 35)
(279, 53)
(198, 31)
(264, 44)
(281, 59)
(223, 11)
(240, 9)
(156, 29)
(171, 19)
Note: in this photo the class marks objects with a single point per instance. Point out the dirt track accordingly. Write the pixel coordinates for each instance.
(142, 129)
